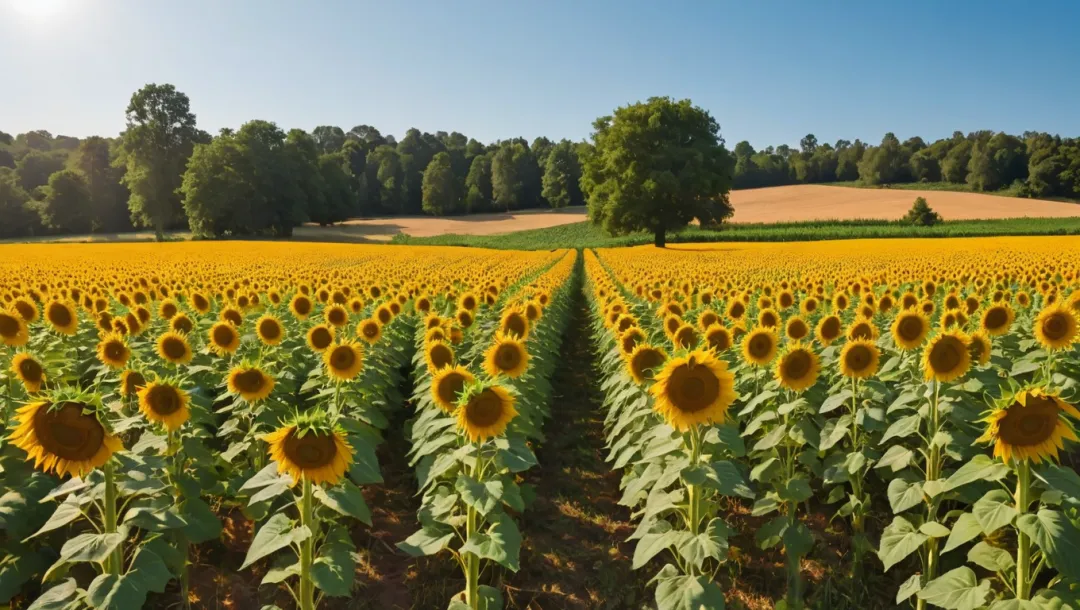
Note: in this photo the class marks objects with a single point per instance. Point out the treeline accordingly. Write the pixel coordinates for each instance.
(164, 173)
(1032, 165)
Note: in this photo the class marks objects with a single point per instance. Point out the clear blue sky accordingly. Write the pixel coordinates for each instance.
(769, 71)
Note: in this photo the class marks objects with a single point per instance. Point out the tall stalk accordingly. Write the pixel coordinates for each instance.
(933, 473)
(115, 563)
(857, 519)
(307, 548)
(1023, 542)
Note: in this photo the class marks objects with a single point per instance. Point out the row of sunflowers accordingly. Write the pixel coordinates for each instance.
(917, 393)
(149, 389)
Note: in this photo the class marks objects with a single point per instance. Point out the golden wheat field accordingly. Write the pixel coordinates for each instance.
(843, 424)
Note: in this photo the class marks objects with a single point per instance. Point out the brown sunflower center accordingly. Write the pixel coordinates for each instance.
(233, 316)
(440, 355)
(857, 358)
(686, 337)
(946, 355)
(223, 335)
(910, 328)
(337, 316)
(132, 381)
(515, 323)
(508, 356)
(796, 365)
(182, 324)
(59, 315)
(720, 339)
(250, 381)
(484, 409)
(692, 388)
(168, 310)
(862, 330)
(68, 433)
(646, 360)
(1030, 425)
(768, 319)
(797, 329)
(370, 330)
(450, 385)
(760, 346)
(342, 358)
(830, 328)
(9, 326)
(737, 310)
(174, 348)
(302, 306)
(311, 451)
(115, 350)
(385, 315)
(270, 329)
(163, 399)
(30, 370)
(26, 310)
(321, 337)
(1055, 326)
(996, 317)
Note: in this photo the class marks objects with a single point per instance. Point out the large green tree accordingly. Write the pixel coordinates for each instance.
(16, 208)
(478, 185)
(160, 137)
(108, 197)
(562, 176)
(66, 206)
(507, 182)
(657, 166)
(35, 168)
(440, 187)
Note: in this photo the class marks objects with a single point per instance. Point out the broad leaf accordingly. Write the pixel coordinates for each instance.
(956, 590)
(899, 540)
(276, 534)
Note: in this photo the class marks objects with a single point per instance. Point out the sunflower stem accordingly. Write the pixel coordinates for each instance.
(933, 473)
(307, 548)
(1023, 542)
(472, 562)
(116, 559)
(692, 492)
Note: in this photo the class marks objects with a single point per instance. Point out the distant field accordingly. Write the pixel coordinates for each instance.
(384, 229)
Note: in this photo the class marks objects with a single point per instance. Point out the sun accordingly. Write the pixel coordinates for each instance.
(38, 8)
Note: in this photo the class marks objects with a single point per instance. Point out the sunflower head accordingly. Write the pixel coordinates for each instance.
(859, 359)
(829, 329)
(1031, 424)
(862, 328)
(1056, 327)
(464, 318)
(759, 346)
(26, 309)
(438, 355)
(320, 337)
(62, 317)
(685, 337)
(130, 383)
(250, 382)
(113, 351)
(693, 389)
(630, 339)
(796, 328)
(13, 331)
(644, 360)
(311, 447)
(798, 367)
(384, 314)
(719, 338)
(29, 371)
(344, 360)
(707, 318)
(300, 306)
(506, 356)
(63, 434)
(909, 329)
(946, 356)
(181, 324)
(485, 410)
(173, 347)
(164, 402)
(447, 385)
(768, 318)
(370, 331)
(514, 322)
(224, 338)
(979, 347)
(336, 316)
(270, 330)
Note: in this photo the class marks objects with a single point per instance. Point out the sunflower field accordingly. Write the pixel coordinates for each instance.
(916, 392)
(148, 390)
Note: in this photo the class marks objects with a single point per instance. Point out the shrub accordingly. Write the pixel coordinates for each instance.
(921, 214)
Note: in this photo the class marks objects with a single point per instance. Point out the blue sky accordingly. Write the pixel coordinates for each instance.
(768, 71)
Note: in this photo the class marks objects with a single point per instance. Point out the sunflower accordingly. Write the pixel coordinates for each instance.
(384, 314)
(336, 315)
(946, 356)
(1031, 425)
(464, 318)
(829, 329)
(719, 338)
(65, 437)
(862, 328)
(693, 389)
(769, 318)
(250, 382)
(200, 303)
(29, 371)
(344, 360)
(319, 337)
(979, 347)
(1055, 327)
(736, 310)
(26, 309)
(181, 323)
(269, 330)
(167, 309)
(514, 322)
(630, 339)
(165, 403)
(370, 331)
(300, 306)
(485, 412)
(909, 329)
(447, 385)
(438, 355)
(506, 356)
(62, 317)
(113, 351)
(685, 337)
(173, 347)
(796, 328)
(468, 302)
(643, 360)
(224, 338)
(797, 369)
(759, 346)
(13, 332)
(707, 318)
(859, 359)
(130, 382)
(310, 448)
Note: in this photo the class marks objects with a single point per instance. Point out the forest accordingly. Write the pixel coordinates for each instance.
(163, 173)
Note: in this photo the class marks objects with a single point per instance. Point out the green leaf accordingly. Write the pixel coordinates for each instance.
(365, 466)
(90, 547)
(798, 540)
(56, 598)
(956, 590)
(899, 540)
(501, 544)
(279, 575)
(896, 458)
(17, 569)
(710, 543)
(111, 592)
(904, 495)
(771, 439)
(934, 529)
(765, 470)
(276, 534)
(834, 431)
(483, 496)
(994, 510)
(65, 513)
(979, 468)
(346, 499)
(772, 532)
(834, 402)
(154, 519)
(726, 479)
(689, 593)
(910, 587)
(1061, 479)
(796, 489)
(427, 541)
(149, 571)
(902, 428)
(652, 544)
(991, 558)
(202, 524)
(334, 570)
(1056, 536)
(965, 529)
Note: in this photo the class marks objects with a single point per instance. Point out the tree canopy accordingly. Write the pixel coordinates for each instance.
(657, 166)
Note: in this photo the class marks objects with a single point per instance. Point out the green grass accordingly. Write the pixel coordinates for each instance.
(1012, 191)
(585, 235)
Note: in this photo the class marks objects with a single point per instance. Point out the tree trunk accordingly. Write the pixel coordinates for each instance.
(659, 238)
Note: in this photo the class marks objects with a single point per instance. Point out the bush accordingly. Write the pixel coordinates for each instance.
(921, 214)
